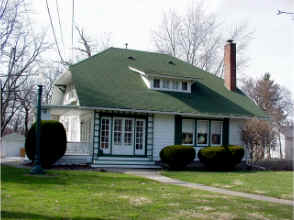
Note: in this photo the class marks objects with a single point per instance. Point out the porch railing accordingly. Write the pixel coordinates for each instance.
(78, 148)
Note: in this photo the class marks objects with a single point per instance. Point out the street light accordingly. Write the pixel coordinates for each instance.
(37, 168)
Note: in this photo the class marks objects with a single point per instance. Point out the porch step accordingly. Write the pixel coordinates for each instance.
(137, 166)
(124, 162)
(108, 158)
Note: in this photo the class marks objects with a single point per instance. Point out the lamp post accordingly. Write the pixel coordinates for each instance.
(37, 168)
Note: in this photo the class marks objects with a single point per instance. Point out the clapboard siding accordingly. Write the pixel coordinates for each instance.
(164, 133)
(235, 132)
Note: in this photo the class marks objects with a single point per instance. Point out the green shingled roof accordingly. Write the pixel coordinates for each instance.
(105, 80)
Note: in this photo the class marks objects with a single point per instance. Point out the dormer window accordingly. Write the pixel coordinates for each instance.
(156, 83)
(175, 84)
(184, 86)
(165, 83)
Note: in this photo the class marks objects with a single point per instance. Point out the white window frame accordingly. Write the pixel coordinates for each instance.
(114, 132)
(143, 135)
(221, 134)
(175, 82)
(166, 84)
(123, 131)
(128, 132)
(109, 134)
(208, 132)
(186, 131)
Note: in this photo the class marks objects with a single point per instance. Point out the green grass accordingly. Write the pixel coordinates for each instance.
(277, 184)
(94, 195)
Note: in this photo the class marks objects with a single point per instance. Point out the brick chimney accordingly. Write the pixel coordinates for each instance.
(230, 65)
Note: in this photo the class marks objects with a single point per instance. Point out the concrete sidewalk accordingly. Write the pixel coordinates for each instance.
(155, 175)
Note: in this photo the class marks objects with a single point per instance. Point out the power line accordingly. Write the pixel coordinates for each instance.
(59, 21)
(53, 31)
(72, 26)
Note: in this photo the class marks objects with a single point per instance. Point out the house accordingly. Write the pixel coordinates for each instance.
(12, 144)
(126, 105)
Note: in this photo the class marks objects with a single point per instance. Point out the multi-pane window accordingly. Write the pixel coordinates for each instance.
(184, 86)
(85, 130)
(117, 131)
(156, 83)
(216, 132)
(202, 132)
(165, 83)
(105, 133)
(188, 131)
(140, 134)
(175, 84)
(128, 137)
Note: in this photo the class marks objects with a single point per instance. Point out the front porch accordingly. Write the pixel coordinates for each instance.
(105, 138)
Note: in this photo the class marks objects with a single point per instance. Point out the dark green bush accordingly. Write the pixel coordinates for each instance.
(177, 156)
(53, 142)
(221, 157)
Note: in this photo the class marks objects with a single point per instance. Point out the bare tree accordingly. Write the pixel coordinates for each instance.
(197, 38)
(19, 52)
(87, 46)
(274, 99)
(259, 138)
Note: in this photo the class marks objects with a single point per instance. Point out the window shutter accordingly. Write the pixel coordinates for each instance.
(226, 132)
(178, 129)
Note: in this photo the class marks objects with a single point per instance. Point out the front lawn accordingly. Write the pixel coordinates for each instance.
(92, 195)
(277, 184)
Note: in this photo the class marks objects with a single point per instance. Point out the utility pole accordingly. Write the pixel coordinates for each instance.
(37, 168)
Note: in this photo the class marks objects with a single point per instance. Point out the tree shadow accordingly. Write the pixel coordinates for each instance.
(31, 216)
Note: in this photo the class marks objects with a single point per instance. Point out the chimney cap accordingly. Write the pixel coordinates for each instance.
(230, 41)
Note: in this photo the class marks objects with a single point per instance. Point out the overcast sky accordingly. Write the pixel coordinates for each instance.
(131, 21)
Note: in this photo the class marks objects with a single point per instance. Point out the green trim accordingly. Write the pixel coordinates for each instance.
(146, 134)
(209, 132)
(134, 137)
(111, 133)
(195, 139)
(226, 126)
(178, 129)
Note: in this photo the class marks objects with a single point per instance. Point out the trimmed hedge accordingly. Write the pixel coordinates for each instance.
(52, 142)
(221, 157)
(177, 156)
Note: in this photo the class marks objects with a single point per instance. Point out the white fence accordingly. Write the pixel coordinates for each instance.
(77, 148)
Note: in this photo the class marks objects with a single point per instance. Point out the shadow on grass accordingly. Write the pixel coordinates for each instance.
(31, 216)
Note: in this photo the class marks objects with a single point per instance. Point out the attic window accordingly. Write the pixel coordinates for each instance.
(171, 62)
(131, 58)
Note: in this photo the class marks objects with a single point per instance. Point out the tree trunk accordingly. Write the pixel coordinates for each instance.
(280, 143)
(26, 121)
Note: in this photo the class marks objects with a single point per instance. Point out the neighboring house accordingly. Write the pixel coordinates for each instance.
(11, 145)
(127, 105)
(289, 143)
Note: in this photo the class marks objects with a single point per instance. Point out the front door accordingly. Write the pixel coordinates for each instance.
(123, 136)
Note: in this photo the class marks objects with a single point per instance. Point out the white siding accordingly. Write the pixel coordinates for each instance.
(45, 114)
(235, 132)
(164, 133)
(71, 124)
